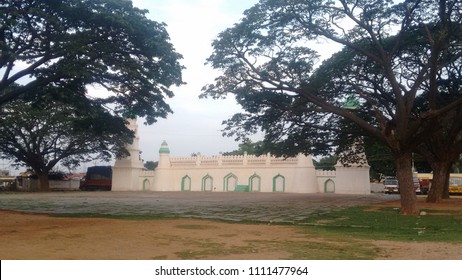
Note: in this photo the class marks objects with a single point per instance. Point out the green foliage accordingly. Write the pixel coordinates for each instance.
(380, 159)
(394, 53)
(384, 63)
(42, 130)
(151, 165)
(326, 163)
(457, 167)
(69, 44)
(249, 147)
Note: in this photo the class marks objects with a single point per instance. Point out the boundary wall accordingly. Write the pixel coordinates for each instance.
(246, 173)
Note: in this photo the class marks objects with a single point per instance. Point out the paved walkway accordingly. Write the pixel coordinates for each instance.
(239, 207)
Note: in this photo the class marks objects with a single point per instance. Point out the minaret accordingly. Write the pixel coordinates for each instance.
(352, 177)
(134, 147)
(163, 173)
(164, 155)
(125, 172)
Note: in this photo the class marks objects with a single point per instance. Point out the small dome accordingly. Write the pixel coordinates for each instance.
(164, 148)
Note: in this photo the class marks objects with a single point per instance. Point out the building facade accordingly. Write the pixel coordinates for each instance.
(246, 173)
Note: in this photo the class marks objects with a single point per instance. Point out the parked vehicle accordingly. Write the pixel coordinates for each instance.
(417, 185)
(425, 185)
(391, 185)
(455, 183)
(97, 178)
(8, 183)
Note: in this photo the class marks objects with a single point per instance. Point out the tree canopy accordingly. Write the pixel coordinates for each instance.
(75, 43)
(42, 131)
(151, 165)
(249, 147)
(393, 53)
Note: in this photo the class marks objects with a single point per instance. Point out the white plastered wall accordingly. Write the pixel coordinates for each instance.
(231, 173)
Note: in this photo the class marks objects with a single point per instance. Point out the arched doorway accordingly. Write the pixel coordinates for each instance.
(207, 183)
(229, 182)
(186, 184)
(146, 185)
(255, 183)
(279, 183)
(329, 186)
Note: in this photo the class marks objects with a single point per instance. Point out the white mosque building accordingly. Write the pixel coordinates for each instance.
(246, 173)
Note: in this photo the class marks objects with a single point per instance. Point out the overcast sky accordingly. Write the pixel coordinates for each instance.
(195, 126)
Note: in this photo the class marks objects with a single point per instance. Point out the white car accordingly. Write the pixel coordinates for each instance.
(391, 185)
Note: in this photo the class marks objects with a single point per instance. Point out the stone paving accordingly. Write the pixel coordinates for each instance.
(238, 207)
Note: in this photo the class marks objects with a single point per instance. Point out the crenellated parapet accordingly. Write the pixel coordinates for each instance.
(326, 173)
(237, 160)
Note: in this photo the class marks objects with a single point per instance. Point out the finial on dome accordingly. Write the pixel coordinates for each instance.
(164, 148)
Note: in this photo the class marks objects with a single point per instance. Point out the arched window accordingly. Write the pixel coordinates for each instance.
(279, 183)
(329, 186)
(146, 185)
(207, 183)
(186, 184)
(255, 183)
(229, 182)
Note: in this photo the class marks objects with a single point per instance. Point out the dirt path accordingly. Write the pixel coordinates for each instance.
(34, 236)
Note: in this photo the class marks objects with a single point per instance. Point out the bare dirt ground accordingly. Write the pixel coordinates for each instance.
(27, 236)
(39, 236)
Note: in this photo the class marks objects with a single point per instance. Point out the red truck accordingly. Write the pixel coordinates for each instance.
(97, 178)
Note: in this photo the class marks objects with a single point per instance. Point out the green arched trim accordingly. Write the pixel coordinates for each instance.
(226, 180)
(255, 187)
(204, 183)
(275, 179)
(186, 184)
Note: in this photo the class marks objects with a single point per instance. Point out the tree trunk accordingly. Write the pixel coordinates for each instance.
(44, 183)
(406, 184)
(440, 182)
(446, 188)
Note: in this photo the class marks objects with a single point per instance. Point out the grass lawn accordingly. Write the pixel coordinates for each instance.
(385, 223)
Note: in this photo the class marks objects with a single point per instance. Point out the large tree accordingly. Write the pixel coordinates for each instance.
(45, 129)
(442, 151)
(110, 43)
(393, 53)
(444, 148)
